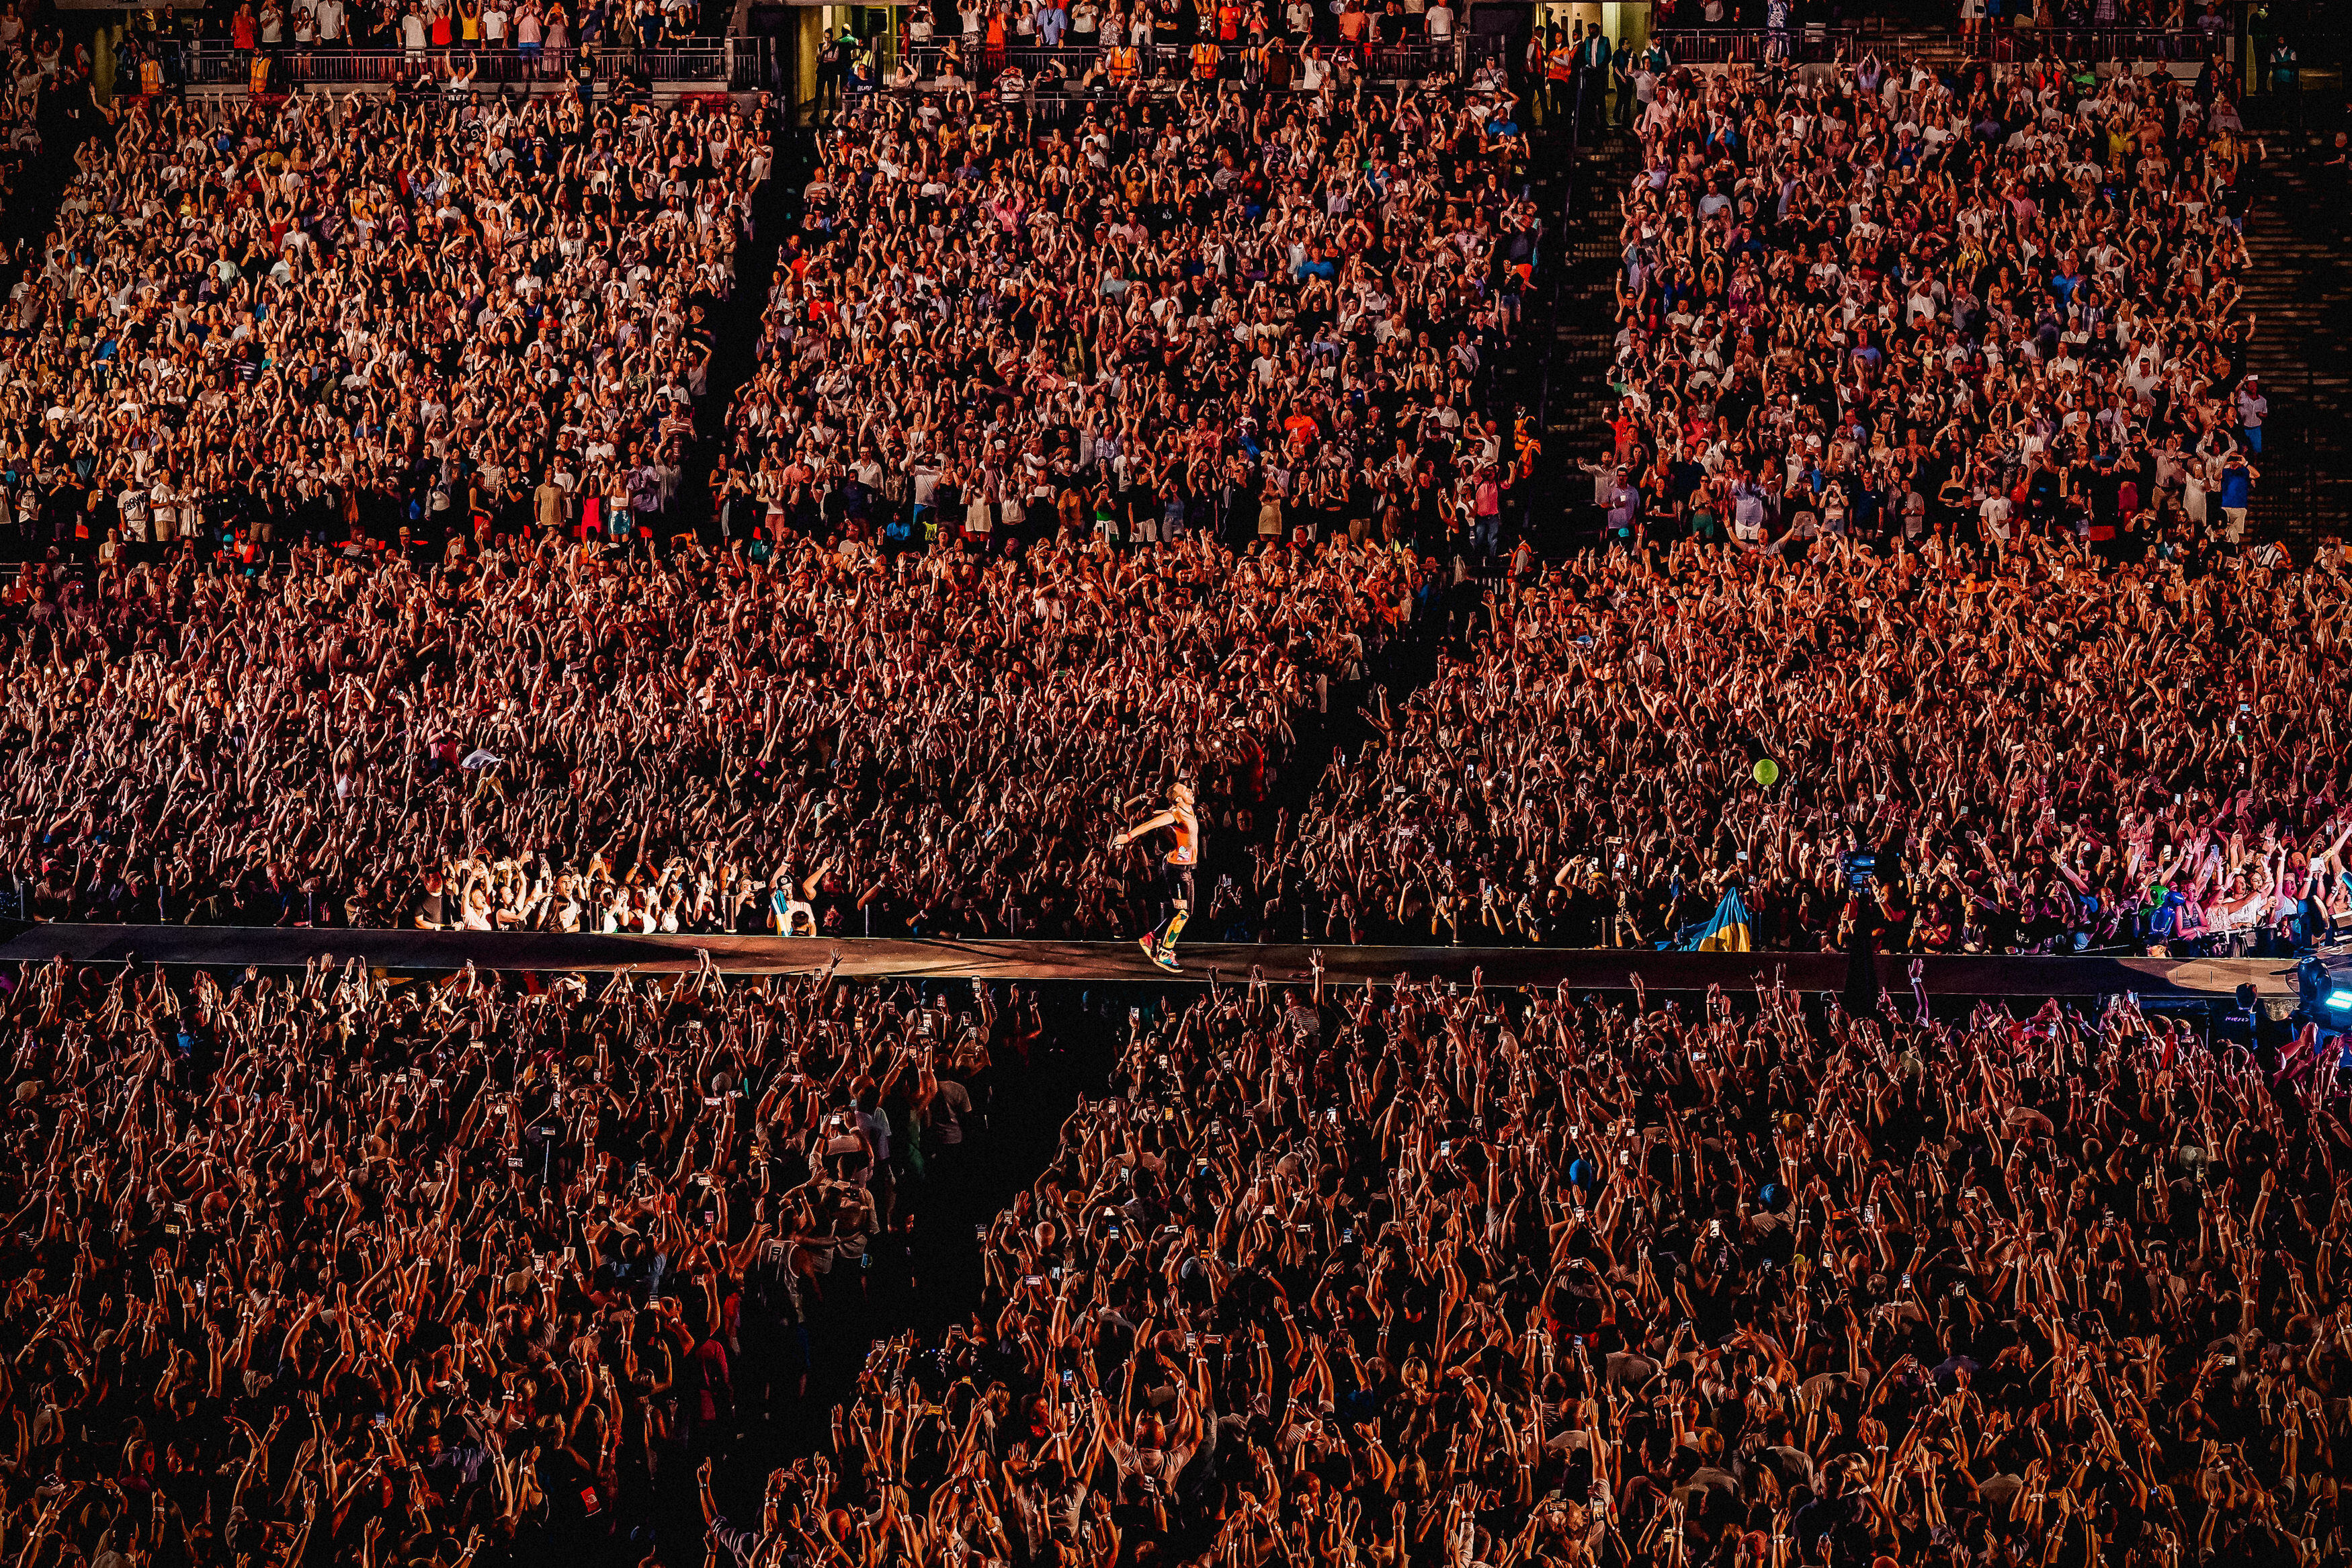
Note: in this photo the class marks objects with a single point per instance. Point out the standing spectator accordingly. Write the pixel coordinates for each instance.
(2253, 409)
(1593, 57)
(1621, 75)
(2238, 478)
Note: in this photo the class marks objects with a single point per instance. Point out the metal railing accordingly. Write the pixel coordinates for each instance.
(1815, 46)
(737, 64)
(979, 68)
(1416, 59)
(2015, 45)
(1756, 45)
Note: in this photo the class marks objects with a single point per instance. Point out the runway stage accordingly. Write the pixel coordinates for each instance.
(1583, 970)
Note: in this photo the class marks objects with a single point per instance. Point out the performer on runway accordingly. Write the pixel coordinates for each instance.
(1175, 872)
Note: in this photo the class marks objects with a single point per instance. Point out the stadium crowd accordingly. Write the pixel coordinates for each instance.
(2059, 755)
(1233, 311)
(1081, 458)
(1885, 301)
(326, 1268)
(818, 745)
(256, 324)
(2056, 757)
(1435, 1275)
(331, 1268)
(1966, 354)
(1876, 301)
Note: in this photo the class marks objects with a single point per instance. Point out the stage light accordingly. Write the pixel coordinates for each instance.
(2324, 986)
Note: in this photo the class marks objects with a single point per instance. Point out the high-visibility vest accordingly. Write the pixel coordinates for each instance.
(1563, 64)
(1123, 65)
(1205, 60)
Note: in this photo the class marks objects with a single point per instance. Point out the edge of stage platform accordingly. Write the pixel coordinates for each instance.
(1604, 969)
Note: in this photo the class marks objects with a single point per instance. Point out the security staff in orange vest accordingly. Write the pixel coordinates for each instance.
(1559, 78)
(1125, 63)
(1205, 56)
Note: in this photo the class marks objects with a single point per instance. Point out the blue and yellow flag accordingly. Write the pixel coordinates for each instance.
(1727, 931)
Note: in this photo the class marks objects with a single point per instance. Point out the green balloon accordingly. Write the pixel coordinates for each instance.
(1768, 772)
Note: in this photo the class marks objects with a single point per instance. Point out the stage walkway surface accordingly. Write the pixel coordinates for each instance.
(232, 947)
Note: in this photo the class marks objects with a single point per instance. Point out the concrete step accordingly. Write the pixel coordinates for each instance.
(2299, 292)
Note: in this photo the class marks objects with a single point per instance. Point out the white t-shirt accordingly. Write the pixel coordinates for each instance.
(1995, 514)
(1439, 21)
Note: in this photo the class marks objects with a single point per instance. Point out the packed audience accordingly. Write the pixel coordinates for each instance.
(1881, 302)
(414, 320)
(361, 1271)
(543, 33)
(469, 1272)
(1031, 406)
(49, 112)
(823, 743)
(1989, 23)
(2060, 755)
(1438, 1275)
(1259, 314)
(1934, 438)
(1079, 460)
(457, 736)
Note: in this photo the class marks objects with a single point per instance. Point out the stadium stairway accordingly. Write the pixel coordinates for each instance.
(736, 332)
(1523, 378)
(1585, 329)
(2299, 289)
(1940, 47)
(30, 212)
